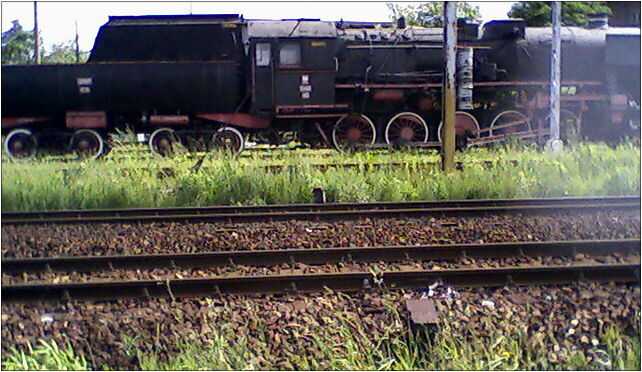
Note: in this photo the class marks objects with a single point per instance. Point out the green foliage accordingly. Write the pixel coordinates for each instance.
(219, 353)
(430, 14)
(574, 13)
(621, 353)
(17, 45)
(45, 356)
(583, 170)
(64, 53)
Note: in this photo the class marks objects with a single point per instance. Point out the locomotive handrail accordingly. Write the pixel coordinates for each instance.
(475, 83)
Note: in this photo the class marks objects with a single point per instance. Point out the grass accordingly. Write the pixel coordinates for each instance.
(584, 170)
(344, 343)
(44, 356)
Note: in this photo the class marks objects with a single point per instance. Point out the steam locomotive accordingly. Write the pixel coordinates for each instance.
(204, 81)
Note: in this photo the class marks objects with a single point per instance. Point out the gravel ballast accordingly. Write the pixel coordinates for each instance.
(560, 317)
(274, 328)
(150, 238)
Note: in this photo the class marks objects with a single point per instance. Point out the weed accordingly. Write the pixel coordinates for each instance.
(45, 356)
(584, 170)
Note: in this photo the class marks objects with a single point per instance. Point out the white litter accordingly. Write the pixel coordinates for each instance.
(489, 304)
(571, 331)
(46, 318)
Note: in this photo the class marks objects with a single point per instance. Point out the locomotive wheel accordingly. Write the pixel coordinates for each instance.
(21, 144)
(163, 141)
(353, 130)
(406, 127)
(229, 139)
(509, 122)
(466, 126)
(87, 144)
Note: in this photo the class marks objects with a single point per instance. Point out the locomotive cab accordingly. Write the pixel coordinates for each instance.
(292, 67)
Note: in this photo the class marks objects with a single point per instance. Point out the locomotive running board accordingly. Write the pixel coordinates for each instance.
(238, 119)
(18, 121)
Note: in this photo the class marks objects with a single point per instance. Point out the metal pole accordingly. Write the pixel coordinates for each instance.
(36, 53)
(554, 144)
(77, 45)
(448, 87)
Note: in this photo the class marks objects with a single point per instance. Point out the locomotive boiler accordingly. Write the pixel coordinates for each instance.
(204, 81)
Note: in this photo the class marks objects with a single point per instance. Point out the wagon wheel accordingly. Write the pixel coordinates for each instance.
(21, 144)
(406, 127)
(87, 144)
(508, 122)
(229, 139)
(352, 131)
(570, 126)
(163, 141)
(466, 126)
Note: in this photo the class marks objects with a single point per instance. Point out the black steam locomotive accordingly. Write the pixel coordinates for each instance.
(215, 80)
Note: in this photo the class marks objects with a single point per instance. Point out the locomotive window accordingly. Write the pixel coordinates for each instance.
(263, 54)
(290, 55)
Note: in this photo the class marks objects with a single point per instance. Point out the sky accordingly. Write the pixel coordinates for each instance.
(57, 20)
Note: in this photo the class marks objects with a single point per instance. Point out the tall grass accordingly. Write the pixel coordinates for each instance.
(585, 170)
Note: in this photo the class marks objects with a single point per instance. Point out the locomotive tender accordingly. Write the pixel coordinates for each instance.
(213, 80)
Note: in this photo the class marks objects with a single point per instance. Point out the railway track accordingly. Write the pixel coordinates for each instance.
(345, 281)
(323, 167)
(143, 153)
(352, 281)
(319, 256)
(329, 211)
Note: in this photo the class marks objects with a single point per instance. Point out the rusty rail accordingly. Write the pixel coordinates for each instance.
(329, 211)
(170, 171)
(319, 256)
(353, 281)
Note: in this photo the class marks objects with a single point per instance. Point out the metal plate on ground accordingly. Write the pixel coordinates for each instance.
(422, 311)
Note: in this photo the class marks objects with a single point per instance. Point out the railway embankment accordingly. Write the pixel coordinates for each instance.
(556, 283)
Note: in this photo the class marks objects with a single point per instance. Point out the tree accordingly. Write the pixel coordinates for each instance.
(17, 45)
(64, 53)
(430, 14)
(574, 13)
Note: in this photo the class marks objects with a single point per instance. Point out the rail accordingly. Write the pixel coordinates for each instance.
(319, 256)
(329, 211)
(323, 167)
(352, 281)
